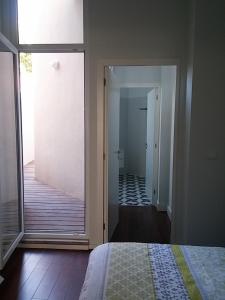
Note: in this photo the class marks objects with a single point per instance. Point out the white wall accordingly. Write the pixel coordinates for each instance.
(168, 90)
(59, 121)
(137, 75)
(205, 202)
(27, 102)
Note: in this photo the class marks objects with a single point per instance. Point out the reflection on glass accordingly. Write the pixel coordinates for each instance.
(9, 199)
(50, 21)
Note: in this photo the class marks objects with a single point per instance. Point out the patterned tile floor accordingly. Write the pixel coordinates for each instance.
(132, 191)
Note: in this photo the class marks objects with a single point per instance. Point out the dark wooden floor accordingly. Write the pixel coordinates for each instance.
(44, 274)
(142, 224)
(57, 275)
(47, 209)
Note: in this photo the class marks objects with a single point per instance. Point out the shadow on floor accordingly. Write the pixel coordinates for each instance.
(142, 224)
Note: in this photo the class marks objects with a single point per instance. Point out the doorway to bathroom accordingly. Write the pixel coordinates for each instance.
(139, 117)
(138, 145)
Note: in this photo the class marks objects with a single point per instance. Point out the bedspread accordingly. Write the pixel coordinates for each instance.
(154, 271)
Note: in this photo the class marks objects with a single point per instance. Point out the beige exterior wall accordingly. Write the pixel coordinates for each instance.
(58, 88)
(27, 102)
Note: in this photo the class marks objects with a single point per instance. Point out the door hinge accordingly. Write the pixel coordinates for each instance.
(104, 156)
(104, 81)
(155, 145)
(157, 97)
(103, 226)
(154, 192)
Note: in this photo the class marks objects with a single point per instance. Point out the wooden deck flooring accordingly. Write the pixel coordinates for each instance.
(47, 209)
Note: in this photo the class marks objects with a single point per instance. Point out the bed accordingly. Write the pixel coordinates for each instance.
(154, 271)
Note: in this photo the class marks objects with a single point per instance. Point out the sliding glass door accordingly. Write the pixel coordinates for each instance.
(52, 101)
(52, 62)
(11, 223)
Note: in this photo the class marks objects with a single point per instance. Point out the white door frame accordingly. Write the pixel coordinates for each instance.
(101, 121)
(106, 155)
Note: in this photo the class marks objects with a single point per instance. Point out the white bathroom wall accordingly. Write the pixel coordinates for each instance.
(136, 136)
(133, 129)
(123, 134)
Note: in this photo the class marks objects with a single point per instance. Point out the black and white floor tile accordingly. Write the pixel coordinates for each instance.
(132, 191)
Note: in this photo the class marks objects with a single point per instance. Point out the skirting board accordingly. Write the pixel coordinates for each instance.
(161, 207)
(169, 212)
(167, 209)
(56, 247)
(54, 244)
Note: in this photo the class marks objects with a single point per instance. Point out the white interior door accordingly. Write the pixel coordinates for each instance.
(113, 117)
(11, 211)
(152, 145)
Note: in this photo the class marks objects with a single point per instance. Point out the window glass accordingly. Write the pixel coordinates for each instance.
(9, 194)
(50, 21)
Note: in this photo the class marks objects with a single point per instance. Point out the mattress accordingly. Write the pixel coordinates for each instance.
(154, 271)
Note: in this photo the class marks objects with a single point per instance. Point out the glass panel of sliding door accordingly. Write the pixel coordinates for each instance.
(52, 96)
(10, 200)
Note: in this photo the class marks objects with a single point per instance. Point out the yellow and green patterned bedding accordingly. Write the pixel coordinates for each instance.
(154, 271)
